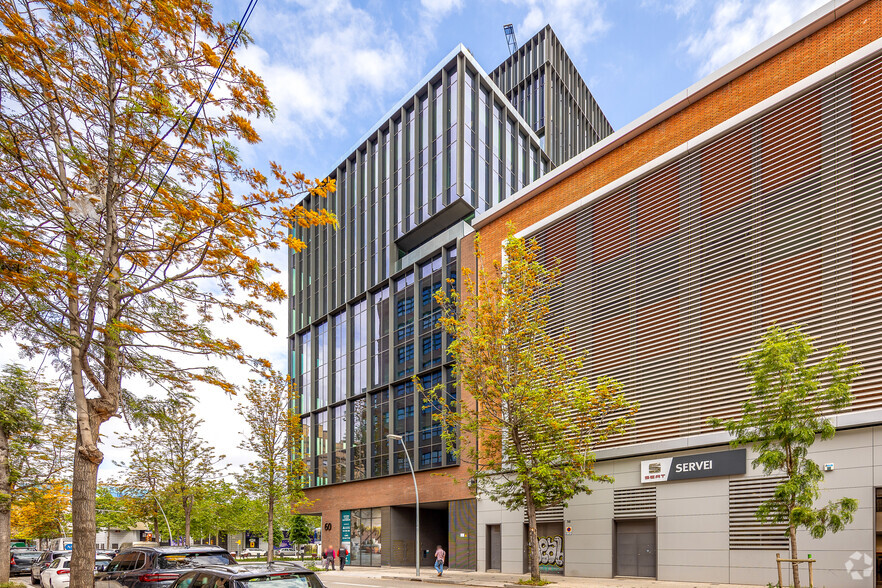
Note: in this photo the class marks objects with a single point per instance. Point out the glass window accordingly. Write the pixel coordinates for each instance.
(339, 418)
(359, 348)
(321, 365)
(379, 430)
(380, 339)
(340, 364)
(305, 373)
(321, 448)
(359, 428)
(403, 407)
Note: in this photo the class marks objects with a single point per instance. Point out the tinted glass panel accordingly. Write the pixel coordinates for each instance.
(176, 561)
(299, 580)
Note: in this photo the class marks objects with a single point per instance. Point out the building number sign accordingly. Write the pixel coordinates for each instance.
(328, 526)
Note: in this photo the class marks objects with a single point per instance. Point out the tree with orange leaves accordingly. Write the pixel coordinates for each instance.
(129, 223)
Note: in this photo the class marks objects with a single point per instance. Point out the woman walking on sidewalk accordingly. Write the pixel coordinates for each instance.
(440, 554)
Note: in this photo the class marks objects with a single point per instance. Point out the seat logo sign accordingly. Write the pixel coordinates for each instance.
(702, 465)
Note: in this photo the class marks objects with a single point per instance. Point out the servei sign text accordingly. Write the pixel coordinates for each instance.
(702, 465)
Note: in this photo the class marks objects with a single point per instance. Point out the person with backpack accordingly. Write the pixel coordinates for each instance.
(440, 554)
(342, 555)
(330, 556)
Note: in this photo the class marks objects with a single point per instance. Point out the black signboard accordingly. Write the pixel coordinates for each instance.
(700, 465)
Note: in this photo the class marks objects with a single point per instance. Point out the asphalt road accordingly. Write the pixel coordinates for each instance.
(329, 582)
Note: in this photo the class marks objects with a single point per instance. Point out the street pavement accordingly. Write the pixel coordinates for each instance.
(356, 576)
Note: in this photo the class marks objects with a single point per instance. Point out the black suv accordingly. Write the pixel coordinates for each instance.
(42, 562)
(270, 575)
(157, 567)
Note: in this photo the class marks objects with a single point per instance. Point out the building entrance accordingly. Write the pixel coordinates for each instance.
(635, 548)
(434, 519)
(494, 547)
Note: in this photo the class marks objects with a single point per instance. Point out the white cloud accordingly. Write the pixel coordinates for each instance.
(438, 9)
(736, 26)
(576, 22)
(322, 61)
(680, 8)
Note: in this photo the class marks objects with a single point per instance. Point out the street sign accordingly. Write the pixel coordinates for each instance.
(569, 530)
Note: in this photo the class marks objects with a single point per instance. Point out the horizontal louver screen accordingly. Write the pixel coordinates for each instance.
(745, 531)
(669, 279)
(634, 503)
(554, 514)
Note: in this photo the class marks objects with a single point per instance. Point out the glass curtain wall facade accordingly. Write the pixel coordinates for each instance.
(364, 320)
(544, 86)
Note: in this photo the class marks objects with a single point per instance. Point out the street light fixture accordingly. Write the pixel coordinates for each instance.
(417, 492)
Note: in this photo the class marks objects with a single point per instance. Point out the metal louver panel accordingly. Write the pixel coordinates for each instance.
(634, 502)
(667, 280)
(555, 514)
(745, 531)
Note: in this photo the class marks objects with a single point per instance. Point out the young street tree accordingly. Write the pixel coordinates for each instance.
(787, 411)
(35, 444)
(118, 251)
(529, 441)
(274, 429)
(188, 462)
(142, 477)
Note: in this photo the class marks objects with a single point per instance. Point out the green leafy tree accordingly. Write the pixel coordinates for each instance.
(188, 463)
(529, 444)
(274, 429)
(301, 531)
(35, 444)
(143, 475)
(114, 510)
(18, 423)
(788, 409)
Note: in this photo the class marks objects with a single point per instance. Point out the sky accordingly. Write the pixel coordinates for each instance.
(335, 67)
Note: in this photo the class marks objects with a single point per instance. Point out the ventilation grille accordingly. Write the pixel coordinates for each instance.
(554, 514)
(745, 531)
(629, 503)
(668, 278)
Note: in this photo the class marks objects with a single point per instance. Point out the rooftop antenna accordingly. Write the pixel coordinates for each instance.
(510, 38)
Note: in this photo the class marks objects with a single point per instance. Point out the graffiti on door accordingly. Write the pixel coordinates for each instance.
(551, 554)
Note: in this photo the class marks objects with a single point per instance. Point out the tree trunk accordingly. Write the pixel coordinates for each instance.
(188, 506)
(5, 507)
(270, 541)
(793, 555)
(84, 488)
(533, 534)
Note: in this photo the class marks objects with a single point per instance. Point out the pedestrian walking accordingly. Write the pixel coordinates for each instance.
(440, 555)
(330, 556)
(342, 554)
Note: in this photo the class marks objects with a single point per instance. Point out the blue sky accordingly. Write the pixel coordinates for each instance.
(335, 67)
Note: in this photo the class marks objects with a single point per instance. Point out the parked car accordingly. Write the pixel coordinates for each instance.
(288, 552)
(20, 561)
(270, 575)
(57, 573)
(253, 552)
(42, 562)
(158, 567)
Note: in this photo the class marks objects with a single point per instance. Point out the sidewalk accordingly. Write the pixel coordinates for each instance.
(496, 580)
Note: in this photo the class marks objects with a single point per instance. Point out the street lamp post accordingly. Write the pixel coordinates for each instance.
(417, 492)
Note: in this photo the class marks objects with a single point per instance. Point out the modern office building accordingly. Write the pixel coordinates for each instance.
(547, 90)
(363, 320)
(751, 198)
